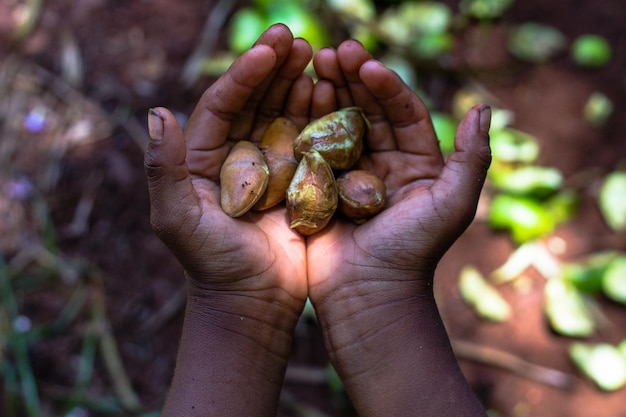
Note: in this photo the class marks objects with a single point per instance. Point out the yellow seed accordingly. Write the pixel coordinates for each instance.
(361, 194)
(337, 136)
(277, 148)
(312, 195)
(243, 178)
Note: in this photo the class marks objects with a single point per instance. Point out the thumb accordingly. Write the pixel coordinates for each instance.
(169, 182)
(464, 173)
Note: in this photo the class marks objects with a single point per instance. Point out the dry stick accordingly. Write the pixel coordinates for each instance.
(505, 360)
(121, 382)
(167, 312)
(208, 39)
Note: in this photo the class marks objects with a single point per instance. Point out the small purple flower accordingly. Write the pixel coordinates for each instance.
(19, 188)
(35, 121)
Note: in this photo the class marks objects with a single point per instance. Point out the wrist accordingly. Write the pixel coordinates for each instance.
(394, 357)
(233, 346)
(261, 318)
(365, 325)
(347, 313)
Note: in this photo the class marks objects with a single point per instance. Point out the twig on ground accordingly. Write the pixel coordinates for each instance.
(513, 363)
(208, 40)
(110, 353)
(167, 312)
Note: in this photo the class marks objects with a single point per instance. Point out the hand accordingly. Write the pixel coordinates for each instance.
(371, 284)
(257, 256)
(246, 276)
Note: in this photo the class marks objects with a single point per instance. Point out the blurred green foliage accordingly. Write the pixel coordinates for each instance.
(591, 50)
(604, 363)
(536, 42)
(526, 200)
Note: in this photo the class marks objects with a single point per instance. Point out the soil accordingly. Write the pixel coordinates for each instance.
(132, 55)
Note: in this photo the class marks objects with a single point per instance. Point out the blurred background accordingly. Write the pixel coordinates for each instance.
(533, 294)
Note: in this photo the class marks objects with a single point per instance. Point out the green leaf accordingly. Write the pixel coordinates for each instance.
(612, 200)
(562, 206)
(529, 180)
(603, 363)
(484, 9)
(500, 118)
(426, 17)
(411, 20)
(587, 275)
(363, 10)
(246, 26)
(622, 348)
(525, 218)
(303, 23)
(591, 50)
(432, 45)
(482, 296)
(566, 310)
(365, 36)
(598, 109)
(614, 279)
(511, 145)
(535, 42)
(445, 126)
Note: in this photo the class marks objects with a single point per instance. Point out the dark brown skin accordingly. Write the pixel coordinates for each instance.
(371, 284)
(246, 276)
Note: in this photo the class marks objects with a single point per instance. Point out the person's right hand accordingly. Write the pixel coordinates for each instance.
(246, 276)
(371, 284)
(256, 258)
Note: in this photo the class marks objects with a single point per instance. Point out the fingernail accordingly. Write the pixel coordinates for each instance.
(155, 125)
(485, 119)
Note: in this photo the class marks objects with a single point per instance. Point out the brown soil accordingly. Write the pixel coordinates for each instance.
(133, 54)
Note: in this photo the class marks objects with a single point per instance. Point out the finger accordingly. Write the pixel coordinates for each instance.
(169, 182)
(463, 176)
(324, 99)
(327, 68)
(400, 115)
(273, 103)
(279, 38)
(351, 56)
(298, 104)
(211, 121)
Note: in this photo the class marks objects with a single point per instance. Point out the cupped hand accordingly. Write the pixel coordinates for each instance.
(430, 201)
(256, 256)
(371, 284)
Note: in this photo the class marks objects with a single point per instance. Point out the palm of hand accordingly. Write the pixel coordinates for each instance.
(257, 255)
(429, 203)
(393, 246)
(227, 253)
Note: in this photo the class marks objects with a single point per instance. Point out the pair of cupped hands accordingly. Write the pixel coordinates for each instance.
(256, 264)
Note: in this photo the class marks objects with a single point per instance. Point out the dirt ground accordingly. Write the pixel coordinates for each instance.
(133, 54)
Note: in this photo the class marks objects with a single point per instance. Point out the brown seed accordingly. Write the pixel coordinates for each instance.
(277, 148)
(243, 178)
(312, 195)
(361, 194)
(337, 136)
